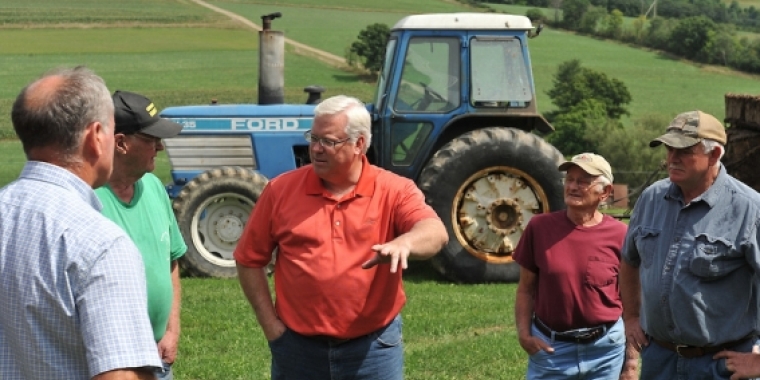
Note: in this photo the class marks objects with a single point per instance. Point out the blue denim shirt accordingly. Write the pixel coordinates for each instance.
(699, 263)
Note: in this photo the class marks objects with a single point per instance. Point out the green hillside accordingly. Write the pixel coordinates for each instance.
(659, 84)
(180, 53)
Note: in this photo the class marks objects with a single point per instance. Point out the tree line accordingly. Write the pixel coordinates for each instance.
(698, 38)
(745, 18)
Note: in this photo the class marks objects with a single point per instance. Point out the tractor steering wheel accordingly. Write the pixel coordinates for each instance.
(430, 96)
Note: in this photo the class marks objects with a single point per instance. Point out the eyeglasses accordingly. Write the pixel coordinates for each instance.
(144, 137)
(583, 183)
(324, 142)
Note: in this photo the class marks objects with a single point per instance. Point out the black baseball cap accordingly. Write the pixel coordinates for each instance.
(135, 113)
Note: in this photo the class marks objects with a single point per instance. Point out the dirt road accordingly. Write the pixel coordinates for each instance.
(300, 48)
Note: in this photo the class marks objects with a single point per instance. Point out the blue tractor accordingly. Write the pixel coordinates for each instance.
(455, 109)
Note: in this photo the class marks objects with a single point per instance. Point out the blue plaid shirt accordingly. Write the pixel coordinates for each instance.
(699, 263)
(72, 284)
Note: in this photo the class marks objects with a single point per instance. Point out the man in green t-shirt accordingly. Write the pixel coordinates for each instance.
(136, 200)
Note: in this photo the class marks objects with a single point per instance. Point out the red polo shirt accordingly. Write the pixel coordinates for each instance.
(320, 286)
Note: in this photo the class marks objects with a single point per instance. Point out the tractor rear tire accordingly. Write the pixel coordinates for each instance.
(212, 211)
(486, 185)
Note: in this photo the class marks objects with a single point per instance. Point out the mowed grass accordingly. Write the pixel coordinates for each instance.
(395, 6)
(659, 84)
(339, 22)
(92, 12)
(171, 66)
(745, 3)
(451, 332)
(523, 9)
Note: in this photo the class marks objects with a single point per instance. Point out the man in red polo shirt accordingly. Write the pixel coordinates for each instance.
(333, 222)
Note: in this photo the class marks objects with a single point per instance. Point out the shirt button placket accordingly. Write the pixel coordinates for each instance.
(337, 231)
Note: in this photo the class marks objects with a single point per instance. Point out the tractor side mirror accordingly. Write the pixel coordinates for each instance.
(535, 33)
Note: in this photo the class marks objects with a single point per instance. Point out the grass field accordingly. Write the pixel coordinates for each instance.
(300, 22)
(192, 65)
(745, 3)
(451, 332)
(36, 13)
(658, 83)
(178, 67)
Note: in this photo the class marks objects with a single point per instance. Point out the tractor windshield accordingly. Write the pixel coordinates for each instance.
(499, 73)
(430, 76)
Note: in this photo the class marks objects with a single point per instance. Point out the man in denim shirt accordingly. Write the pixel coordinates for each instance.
(691, 261)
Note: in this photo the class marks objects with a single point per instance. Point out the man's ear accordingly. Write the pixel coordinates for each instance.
(94, 141)
(715, 155)
(120, 143)
(606, 193)
(360, 143)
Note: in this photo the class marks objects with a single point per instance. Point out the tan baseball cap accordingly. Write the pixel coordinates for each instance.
(690, 128)
(591, 163)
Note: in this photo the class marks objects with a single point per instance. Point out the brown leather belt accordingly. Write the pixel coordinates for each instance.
(693, 352)
(585, 336)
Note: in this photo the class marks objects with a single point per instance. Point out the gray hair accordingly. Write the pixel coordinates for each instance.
(604, 181)
(359, 120)
(57, 116)
(710, 145)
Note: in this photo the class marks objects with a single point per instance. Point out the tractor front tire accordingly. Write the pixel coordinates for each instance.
(212, 211)
(486, 185)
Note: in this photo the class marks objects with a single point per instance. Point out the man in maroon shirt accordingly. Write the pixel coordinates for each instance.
(568, 309)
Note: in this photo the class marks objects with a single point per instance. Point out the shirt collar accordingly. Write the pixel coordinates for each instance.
(365, 187)
(46, 172)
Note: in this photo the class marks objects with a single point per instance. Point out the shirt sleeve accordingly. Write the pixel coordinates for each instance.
(630, 254)
(410, 207)
(113, 311)
(254, 250)
(751, 246)
(523, 253)
(178, 246)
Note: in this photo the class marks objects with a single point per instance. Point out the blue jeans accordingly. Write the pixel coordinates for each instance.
(601, 359)
(376, 356)
(659, 363)
(166, 374)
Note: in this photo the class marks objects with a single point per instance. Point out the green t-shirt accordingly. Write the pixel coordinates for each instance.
(150, 222)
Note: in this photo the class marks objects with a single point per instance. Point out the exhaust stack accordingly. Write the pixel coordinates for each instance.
(271, 62)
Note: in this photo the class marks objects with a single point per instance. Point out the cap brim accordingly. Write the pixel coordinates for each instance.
(163, 129)
(675, 140)
(585, 168)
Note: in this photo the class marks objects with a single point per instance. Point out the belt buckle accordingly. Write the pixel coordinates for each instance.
(678, 349)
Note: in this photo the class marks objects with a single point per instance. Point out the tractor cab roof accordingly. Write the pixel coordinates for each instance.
(437, 21)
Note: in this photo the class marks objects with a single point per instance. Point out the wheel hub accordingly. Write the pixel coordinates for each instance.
(229, 228)
(219, 223)
(493, 210)
(504, 216)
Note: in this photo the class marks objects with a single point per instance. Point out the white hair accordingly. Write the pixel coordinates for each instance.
(359, 120)
(710, 145)
(604, 181)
